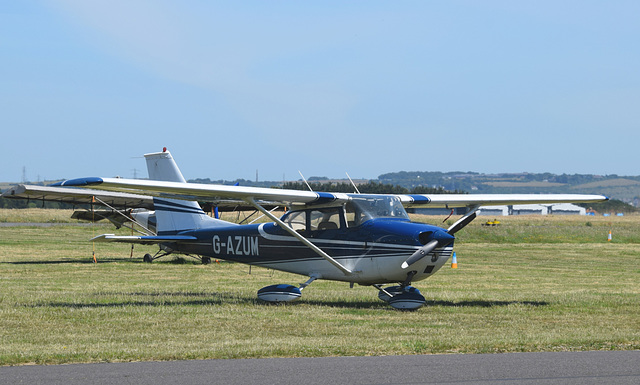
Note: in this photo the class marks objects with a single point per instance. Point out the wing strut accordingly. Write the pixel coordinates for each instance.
(302, 239)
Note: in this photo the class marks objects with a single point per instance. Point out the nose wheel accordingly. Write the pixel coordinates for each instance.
(403, 296)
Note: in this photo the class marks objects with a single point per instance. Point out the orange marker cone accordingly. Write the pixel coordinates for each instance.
(454, 261)
(609, 237)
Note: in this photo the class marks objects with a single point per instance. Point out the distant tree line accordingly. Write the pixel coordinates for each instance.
(240, 182)
(322, 184)
(370, 187)
(483, 183)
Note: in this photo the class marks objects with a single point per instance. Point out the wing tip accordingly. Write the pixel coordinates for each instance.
(79, 182)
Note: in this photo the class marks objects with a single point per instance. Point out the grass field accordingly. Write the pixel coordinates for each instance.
(530, 284)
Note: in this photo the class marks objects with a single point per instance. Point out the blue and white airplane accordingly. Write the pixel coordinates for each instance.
(362, 239)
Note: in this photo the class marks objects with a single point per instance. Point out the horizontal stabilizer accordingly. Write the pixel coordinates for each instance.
(144, 239)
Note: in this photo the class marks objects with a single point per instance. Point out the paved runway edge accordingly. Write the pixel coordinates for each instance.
(596, 367)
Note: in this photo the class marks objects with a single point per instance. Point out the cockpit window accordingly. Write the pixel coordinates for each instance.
(297, 220)
(360, 209)
(364, 207)
(327, 218)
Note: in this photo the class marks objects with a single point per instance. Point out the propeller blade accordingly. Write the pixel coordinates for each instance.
(420, 253)
(462, 222)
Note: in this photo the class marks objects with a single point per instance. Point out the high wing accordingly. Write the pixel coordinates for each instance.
(208, 192)
(112, 199)
(473, 200)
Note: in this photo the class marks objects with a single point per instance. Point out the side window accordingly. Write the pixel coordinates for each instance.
(350, 214)
(354, 215)
(315, 220)
(297, 220)
(325, 219)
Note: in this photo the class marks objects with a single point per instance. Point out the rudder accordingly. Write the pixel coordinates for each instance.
(174, 215)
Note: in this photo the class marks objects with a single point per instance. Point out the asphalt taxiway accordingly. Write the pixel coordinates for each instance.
(596, 367)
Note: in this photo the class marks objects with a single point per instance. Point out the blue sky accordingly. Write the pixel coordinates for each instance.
(364, 87)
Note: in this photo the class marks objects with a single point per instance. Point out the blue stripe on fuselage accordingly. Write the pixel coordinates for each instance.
(267, 243)
(164, 205)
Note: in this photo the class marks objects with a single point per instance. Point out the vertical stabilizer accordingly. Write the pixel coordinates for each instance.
(161, 166)
(174, 215)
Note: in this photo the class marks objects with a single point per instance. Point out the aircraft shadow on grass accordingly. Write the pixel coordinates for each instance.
(69, 261)
(175, 261)
(214, 298)
(482, 303)
(207, 299)
(380, 304)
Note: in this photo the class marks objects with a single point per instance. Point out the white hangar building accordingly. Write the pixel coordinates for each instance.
(536, 209)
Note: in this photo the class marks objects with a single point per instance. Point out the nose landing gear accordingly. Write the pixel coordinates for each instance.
(402, 297)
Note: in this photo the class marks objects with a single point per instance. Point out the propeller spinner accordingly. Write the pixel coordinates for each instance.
(439, 238)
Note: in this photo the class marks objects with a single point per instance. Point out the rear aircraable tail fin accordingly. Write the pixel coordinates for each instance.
(174, 215)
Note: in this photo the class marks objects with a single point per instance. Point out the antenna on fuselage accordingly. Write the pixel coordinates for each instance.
(305, 181)
(353, 184)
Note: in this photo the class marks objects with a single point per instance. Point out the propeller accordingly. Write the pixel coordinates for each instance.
(440, 238)
(420, 253)
(462, 222)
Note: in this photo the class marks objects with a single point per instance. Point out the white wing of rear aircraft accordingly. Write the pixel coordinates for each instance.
(193, 191)
(79, 196)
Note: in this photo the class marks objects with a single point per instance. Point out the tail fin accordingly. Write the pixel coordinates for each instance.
(175, 215)
(161, 166)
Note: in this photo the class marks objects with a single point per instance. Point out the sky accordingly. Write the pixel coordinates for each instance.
(274, 88)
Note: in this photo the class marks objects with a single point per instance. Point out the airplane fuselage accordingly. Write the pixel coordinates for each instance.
(373, 250)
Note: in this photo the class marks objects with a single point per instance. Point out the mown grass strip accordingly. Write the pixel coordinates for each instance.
(56, 306)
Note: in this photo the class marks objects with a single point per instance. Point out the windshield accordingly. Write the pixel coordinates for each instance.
(364, 207)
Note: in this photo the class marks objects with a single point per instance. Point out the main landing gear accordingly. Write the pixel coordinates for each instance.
(148, 258)
(401, 297)
(283, 293)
